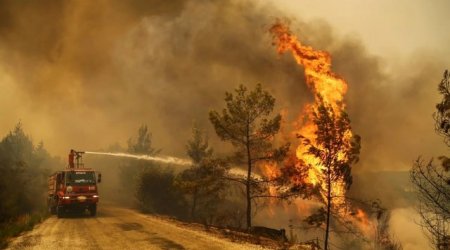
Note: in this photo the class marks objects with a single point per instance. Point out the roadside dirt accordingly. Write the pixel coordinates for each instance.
(120, 228)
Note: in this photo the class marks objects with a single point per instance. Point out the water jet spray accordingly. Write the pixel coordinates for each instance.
(162, 159)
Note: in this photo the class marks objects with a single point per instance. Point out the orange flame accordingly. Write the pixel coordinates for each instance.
(324, 83)
(331, 88)
(362, 216)
(271, 171)
(363, 222)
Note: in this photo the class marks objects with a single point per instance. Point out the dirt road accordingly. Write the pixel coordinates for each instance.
(118, 228)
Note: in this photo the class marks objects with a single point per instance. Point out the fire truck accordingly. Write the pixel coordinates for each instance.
(73, 189)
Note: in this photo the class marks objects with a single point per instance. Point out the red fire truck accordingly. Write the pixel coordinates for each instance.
(73, 189)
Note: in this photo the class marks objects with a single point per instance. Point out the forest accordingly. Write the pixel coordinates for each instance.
(227, 191)
(287, 124)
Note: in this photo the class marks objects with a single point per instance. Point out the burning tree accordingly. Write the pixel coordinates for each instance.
(333, 153)
(247, 124)
(432, 182)
(328, 146)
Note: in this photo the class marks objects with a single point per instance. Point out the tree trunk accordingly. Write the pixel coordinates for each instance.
(249, 200)
(248, 184)
(327, 230)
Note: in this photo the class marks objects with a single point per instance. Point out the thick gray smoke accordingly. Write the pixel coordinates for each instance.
(111, 66)
(86, 74)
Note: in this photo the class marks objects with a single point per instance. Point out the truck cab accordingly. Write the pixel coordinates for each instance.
(73, 189)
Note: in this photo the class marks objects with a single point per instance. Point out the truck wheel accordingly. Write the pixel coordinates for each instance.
(93, 210)
(60, 211)
(52, 204)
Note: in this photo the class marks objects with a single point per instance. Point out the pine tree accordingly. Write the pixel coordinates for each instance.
(247, 124)
(335, 153)
(432, 182)
(203, 182)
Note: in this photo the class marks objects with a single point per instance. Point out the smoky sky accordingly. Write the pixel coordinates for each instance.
(87, 74)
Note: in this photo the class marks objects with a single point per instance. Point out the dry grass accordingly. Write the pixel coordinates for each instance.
(21, 224)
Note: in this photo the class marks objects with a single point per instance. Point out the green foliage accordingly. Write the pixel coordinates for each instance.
(205, 185)
(142, 144)
(247, 125)
(151, 185)
(23, 170)
(131, 170)
(157, 193)
(203, 182)
(198, 147)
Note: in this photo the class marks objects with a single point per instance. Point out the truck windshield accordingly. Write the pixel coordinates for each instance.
(80, 178)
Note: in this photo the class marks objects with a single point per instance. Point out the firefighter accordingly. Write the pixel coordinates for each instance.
(71, 158)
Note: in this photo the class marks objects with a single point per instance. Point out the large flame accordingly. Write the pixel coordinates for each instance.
(328, 88)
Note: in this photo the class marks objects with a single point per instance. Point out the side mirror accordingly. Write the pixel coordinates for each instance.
(99, 179)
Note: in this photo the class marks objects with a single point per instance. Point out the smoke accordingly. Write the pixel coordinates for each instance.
(413, 238)
(103, 67)
(110, 66)
(161, 159)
